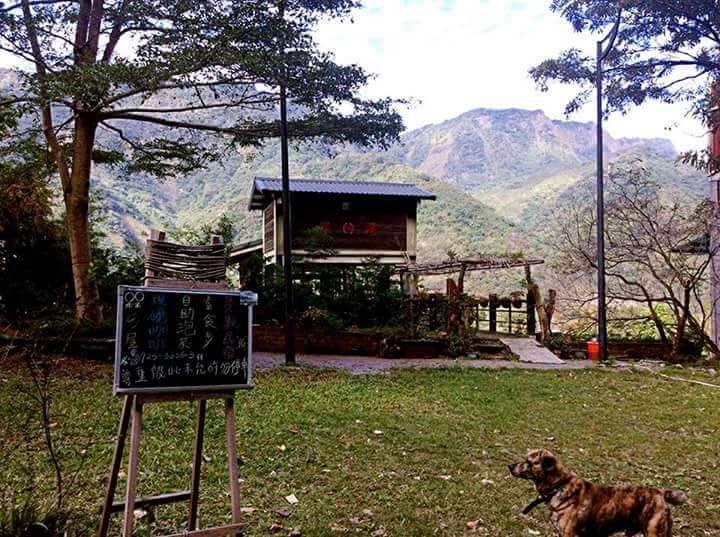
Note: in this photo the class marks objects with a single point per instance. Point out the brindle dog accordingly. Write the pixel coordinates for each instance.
(580, 509)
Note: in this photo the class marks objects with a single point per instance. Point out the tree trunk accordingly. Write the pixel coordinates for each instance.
(545, 310)
(659, 326)
(87, 299)
(707, 339)
(677, 343)
(679, 339)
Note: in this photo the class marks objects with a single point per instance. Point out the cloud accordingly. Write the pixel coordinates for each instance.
(455, 55)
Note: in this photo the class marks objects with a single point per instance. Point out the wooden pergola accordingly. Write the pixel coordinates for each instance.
(410, 271)
(469, 264)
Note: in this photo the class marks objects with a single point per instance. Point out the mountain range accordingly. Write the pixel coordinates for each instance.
(500, 177)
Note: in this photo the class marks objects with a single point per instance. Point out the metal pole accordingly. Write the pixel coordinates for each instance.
(602, 312)
(602, 306)
(287, 233)
(286, 211)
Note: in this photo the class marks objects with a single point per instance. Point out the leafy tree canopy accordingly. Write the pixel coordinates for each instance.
(666, 50)
(186, 68)
(203, 74)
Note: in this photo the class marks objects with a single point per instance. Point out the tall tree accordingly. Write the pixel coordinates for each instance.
(204, 74)
(652, 260)
(666, 50)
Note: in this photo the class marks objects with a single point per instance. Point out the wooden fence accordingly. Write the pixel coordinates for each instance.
(495, 315)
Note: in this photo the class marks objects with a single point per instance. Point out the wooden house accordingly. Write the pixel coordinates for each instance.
(363, 219)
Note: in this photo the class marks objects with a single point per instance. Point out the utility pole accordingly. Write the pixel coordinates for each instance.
(287, 216)
(604, 47)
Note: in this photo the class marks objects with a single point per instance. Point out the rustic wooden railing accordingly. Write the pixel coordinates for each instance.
(492, 314)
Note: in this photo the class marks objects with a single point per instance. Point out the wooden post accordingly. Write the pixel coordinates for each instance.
(530, 303)
(461, 279)
(131, 488)
(413, 320)
(232, 459)
(454, 317)
(714, 246)
(492, 309)
(115, 467)
(196, 464)
(155, 235)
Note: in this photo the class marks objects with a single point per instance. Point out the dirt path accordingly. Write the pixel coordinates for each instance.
(363, 365)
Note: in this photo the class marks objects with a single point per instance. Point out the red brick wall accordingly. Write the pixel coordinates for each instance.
(272, 339)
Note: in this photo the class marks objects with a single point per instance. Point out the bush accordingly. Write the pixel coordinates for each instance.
(358, 297)
(27, 521)
(112, 268)
(319, 318)
(31, 241)
(458, 345)
(35, 270)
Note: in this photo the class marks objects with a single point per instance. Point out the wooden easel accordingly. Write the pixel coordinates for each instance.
(133, 406)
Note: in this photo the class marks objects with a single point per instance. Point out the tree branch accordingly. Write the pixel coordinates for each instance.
(81, 28)
(170, 86)
(94, 26)
(191, 108)
(115, 32)
(13, 7)
(46, 107)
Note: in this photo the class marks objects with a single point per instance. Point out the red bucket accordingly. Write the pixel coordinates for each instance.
(593, 350)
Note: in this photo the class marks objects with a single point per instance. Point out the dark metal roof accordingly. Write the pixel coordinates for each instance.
(244, 249)
(264, 186)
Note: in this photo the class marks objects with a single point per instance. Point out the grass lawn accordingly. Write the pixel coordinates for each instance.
(407, 453)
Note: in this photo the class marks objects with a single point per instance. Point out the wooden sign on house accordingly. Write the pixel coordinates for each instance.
(363, 219)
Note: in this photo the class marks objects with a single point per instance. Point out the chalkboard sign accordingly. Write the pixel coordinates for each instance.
(174, 340)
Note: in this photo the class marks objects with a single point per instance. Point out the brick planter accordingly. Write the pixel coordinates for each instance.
(420, 348)
(272, 339)
(395, 347)
(628, 350)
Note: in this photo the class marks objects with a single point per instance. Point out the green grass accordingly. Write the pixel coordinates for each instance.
(443, 433)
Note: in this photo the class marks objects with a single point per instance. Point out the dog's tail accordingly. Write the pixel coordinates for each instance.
(674, 496)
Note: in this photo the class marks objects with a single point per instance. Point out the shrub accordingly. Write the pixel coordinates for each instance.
(319, 318)
(31, 240)
(26, 520)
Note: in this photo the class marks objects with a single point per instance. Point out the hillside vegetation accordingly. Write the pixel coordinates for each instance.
(501, 177)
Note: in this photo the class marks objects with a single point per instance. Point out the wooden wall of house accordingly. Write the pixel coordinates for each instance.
(355, 223)
(269, 228)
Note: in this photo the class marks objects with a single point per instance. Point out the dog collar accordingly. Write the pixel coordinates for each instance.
(544, 498)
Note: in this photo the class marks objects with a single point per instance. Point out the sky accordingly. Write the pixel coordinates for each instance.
(452, 56)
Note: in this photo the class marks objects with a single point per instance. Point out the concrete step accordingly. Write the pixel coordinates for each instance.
(530, 351)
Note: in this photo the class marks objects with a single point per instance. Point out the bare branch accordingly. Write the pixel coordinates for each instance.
(46, 109)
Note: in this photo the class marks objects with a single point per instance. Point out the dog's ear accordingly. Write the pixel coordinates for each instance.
(548, 462)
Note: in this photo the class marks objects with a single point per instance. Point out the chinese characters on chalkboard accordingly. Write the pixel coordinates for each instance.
(176, 340)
